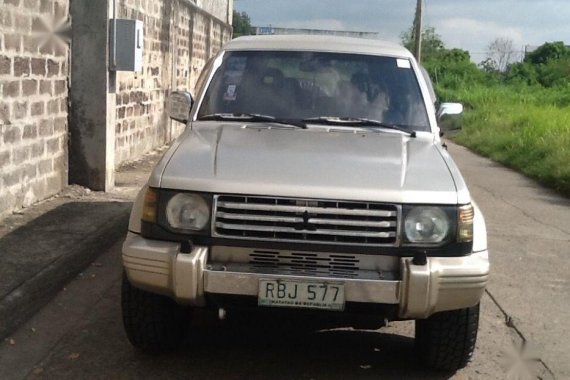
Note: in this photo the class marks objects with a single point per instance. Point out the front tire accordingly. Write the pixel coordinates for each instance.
(153, 323)
(446, 340)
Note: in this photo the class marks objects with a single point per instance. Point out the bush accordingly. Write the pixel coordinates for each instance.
(547, 52)
(524, 127)
(520, 117)
(555, 72)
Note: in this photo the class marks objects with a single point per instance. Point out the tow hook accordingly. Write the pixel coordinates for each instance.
(186, 247)
(420, 258)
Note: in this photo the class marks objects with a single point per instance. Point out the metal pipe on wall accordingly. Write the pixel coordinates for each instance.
(114, 58)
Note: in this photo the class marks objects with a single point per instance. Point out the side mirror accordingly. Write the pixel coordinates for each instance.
(449, 109)
(179, 105)
(449, 124)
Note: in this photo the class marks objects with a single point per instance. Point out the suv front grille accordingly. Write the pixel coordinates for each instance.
(305, 220)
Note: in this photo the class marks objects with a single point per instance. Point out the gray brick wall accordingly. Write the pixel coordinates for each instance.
(33, 102)
(221, 9)
(179, 38)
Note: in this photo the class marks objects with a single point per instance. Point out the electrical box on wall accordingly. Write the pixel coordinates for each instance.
(126, 45)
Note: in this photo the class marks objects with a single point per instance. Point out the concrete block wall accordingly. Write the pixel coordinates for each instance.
(221, 9)
(33, 102)
(140, 118)
(200, 46)
(179, 38)
(35, 105)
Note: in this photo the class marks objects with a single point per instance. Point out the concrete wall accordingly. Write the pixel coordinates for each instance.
(221, 9)
(35, 128)
(33, 102)
(179, 38)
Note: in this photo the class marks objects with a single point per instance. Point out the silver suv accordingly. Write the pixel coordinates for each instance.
(310, 177)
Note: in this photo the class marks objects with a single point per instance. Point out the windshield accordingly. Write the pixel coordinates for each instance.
(303, 85)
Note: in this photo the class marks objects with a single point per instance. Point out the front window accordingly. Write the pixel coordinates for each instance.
(304, 85)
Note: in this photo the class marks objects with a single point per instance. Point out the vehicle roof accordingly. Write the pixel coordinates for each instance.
(335, 44)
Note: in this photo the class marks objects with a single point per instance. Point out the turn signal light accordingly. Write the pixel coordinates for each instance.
(150, 205)
(465, 223)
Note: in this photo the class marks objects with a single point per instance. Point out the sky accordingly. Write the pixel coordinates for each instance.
(467, 24)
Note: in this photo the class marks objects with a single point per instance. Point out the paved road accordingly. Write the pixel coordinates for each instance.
(529, 238)
(79, 334)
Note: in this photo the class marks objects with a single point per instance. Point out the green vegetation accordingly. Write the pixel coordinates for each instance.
(519, 116)
(525, 128)
(241, 24)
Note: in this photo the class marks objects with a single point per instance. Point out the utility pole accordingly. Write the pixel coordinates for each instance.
(418, 31)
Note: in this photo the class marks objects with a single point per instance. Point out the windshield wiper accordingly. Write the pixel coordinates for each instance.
(253, 118)
(358, 121)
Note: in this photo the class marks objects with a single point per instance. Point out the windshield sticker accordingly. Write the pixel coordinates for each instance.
(230, 94)
(403, 64)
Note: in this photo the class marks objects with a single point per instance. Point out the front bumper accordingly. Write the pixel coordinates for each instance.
(444, 283)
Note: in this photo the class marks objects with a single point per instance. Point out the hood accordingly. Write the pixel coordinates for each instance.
(317, 162)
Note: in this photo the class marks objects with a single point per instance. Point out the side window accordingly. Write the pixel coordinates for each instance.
(203, 76)
(429, 84)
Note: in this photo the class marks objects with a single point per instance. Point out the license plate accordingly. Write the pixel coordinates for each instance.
(301, 294)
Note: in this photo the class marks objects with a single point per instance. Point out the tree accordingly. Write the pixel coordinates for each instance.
(241, 24)
(549, 66)
(555, 73)
(448, 68)
(432, 44)
(489, 65)
(522, 72)
(549, 51)
(452, 69)
(501, 54)
(454, 55)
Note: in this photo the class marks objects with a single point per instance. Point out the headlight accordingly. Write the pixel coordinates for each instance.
(424, 224)
(187, 212)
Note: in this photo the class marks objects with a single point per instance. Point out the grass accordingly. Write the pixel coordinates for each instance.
(526, 128)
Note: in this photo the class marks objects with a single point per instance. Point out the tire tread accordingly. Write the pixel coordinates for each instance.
(446, 340)
(152, 322)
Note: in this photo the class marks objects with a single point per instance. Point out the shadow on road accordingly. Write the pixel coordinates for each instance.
(249, 348)
(40, 257)
(245, 346)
